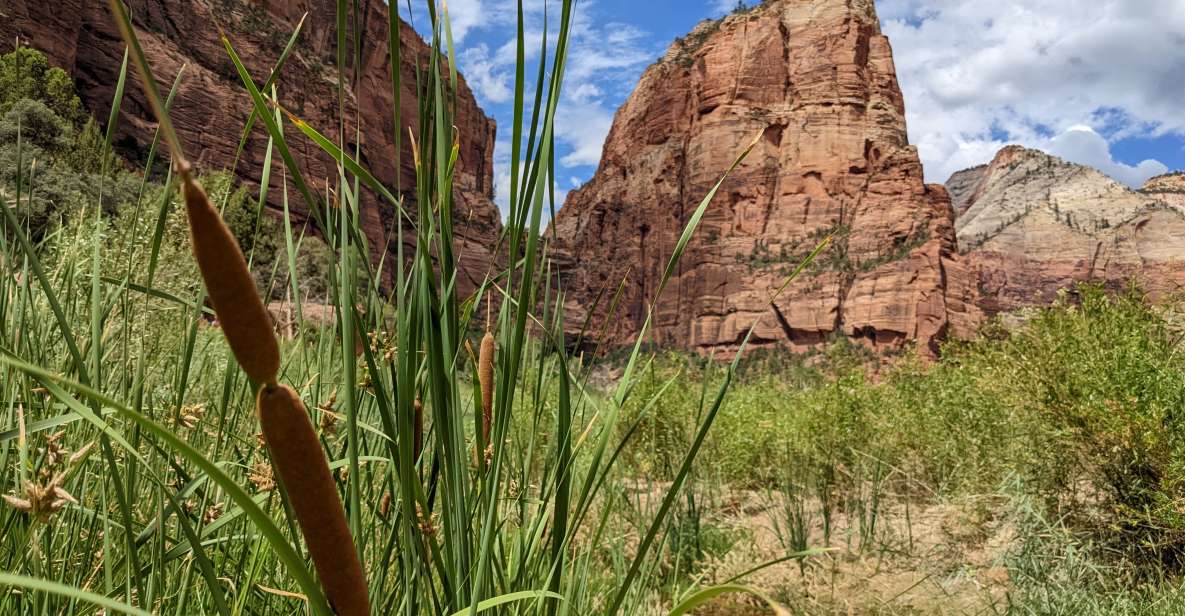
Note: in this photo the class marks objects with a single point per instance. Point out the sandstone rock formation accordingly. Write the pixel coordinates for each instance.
(211, 106)
(1030, 224)
(1168, 188)
(817, 76)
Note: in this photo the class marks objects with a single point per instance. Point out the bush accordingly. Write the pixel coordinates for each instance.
(57, 169)
(52, 191)
(1107, 377)
(89, 152)
(26, 74)
(34, 123)
(1082, 403)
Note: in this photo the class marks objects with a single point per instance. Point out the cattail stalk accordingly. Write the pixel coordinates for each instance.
(296, 454)
(485, 378)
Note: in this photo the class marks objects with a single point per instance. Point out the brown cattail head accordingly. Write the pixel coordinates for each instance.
(302, 469)
(417, 431)
(485, 377)
(385, 504)
(241, 313)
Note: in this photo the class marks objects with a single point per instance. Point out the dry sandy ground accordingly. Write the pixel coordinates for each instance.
(923, 559)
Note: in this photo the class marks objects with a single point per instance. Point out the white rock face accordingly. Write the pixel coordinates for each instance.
(1169, 189)
(1030, 224)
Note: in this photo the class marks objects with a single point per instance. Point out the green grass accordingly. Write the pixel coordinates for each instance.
(104, 338)
(591, 501)
(1071, 418)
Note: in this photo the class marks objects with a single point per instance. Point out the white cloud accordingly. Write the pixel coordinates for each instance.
(502, 186)
(604, 64)
(583, 127)
(723, 7)
(907, 10)
(464, 15)
(1082, 145)
(584, 92)
(484, 75)
(979, 75)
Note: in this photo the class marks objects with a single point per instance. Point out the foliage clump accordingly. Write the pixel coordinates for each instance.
(1083, 403)
(55, 157)
(25, 74)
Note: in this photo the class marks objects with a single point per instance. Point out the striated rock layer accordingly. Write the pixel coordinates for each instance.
(1031, 224)
(817, 78)
(1168, 188)
(212, 107)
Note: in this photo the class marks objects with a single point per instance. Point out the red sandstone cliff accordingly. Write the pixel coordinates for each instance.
(211, 106)
(817, 76)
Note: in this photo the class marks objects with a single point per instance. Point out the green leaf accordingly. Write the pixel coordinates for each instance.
(707, 594)
(510, 598)
(70, 592)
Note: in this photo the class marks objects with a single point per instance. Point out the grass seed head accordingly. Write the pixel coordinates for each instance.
(213, 512)
(41, 501)
(262, 477)
(328, 423)
(54, 451)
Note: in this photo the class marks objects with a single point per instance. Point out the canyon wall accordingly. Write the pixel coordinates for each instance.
(816, 78)
(212, 107)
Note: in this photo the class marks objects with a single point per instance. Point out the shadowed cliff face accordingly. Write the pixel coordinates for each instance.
(1031, 224)
(817, 76)
(212, 107)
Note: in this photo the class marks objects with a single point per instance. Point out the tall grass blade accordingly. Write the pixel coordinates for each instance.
(70, 592)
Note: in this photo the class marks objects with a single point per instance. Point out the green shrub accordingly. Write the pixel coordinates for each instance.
(89, 152)
(57, 169)
(1083, 402)
(1106, 377)
(35, 123)
(26, 74)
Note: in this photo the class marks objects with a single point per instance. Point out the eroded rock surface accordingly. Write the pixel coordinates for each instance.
(212, 107)
(1030, 224)
(817, 79)
(1169, 188)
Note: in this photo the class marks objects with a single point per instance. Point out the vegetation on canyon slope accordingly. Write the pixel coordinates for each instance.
(1057, 443)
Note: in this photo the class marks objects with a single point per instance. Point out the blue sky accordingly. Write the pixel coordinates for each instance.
(1103, 85)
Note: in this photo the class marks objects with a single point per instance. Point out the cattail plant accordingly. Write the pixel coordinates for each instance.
(296, 452)
(306, 478)
(485, 378)
(241, 314)
(287, 430)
